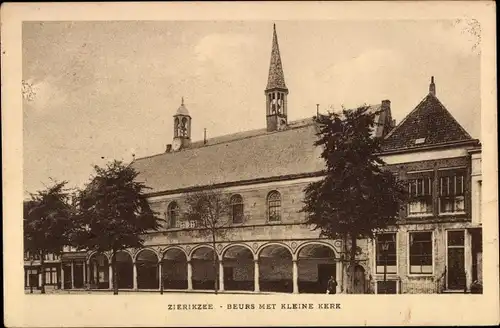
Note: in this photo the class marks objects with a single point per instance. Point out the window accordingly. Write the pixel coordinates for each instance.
(387, 287)
(173, 215)
(31, 278)
(421, 252)
(51, 275)
(420, 192)
(237, 209)
(184, 131)
(177, 127)
(386, 258)
(274, 206)
(451, 192)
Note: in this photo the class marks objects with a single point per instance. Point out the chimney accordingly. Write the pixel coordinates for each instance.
(386, 105)
(169, 148)
(205, 136)
(432, 87)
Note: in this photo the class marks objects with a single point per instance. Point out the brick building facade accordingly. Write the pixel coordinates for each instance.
(435, 247)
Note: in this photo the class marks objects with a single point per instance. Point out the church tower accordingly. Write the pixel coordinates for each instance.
(182, 128)
(276, 91)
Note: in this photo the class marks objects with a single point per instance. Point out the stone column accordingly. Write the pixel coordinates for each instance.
(256, 276)
(338, 275)
(86, 273)
(134, 276)
(110, 277)
(295, 277)
(221, 276)
(72, 274)
(62, 275)
(160, 274)
(189, 275)
(468, 259)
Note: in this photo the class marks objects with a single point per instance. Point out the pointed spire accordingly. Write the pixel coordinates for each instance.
(276, 77)
(182, 101)
(432, 87)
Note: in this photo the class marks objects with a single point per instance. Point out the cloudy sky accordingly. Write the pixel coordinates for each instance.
(106, 90)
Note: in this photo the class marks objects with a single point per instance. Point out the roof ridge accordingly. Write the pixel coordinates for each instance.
(307, 122)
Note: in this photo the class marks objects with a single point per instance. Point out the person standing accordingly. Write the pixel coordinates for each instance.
(332, 286)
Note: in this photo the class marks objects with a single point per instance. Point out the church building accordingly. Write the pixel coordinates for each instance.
(434, 248)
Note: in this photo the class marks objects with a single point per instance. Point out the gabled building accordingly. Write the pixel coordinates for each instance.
(268, 247)
(436, 245)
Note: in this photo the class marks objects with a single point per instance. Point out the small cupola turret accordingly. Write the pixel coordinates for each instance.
(182, 128)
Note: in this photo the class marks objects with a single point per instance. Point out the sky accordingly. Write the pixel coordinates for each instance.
(106, 90)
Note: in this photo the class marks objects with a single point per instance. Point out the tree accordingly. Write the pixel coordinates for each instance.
(209, 210)
(48, 223)
(114, 213)
(356, 197)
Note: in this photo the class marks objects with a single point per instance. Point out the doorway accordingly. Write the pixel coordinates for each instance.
(456, 279)
(66, 276)
(78, 275)
(325, 271)
(359, 280)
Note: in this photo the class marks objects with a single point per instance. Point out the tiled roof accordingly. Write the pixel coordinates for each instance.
(428, 124)
(276, 77)
(243, 156)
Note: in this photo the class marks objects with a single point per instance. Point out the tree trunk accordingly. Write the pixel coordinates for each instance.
(344, 266)
(352, 262)
(42, 269)
(115, 274)
(216, 266)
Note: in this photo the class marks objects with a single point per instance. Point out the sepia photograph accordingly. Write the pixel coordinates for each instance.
(281, 163)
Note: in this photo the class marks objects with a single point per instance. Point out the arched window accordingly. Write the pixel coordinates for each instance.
(237, 208)
(177, 127)
(184, 127)
(274, 206)
(173, 215)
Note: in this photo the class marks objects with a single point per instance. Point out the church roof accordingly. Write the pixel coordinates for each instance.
(429, 124)
(276, 78)
(253, 155)
(246, 156)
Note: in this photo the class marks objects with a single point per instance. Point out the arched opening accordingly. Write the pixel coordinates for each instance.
(202, 261)
(275, 269)
(99, 271)
(238, 268)
(147, 270)
(174, 269)
(124, 270)
(359, 280)
(316, 264)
